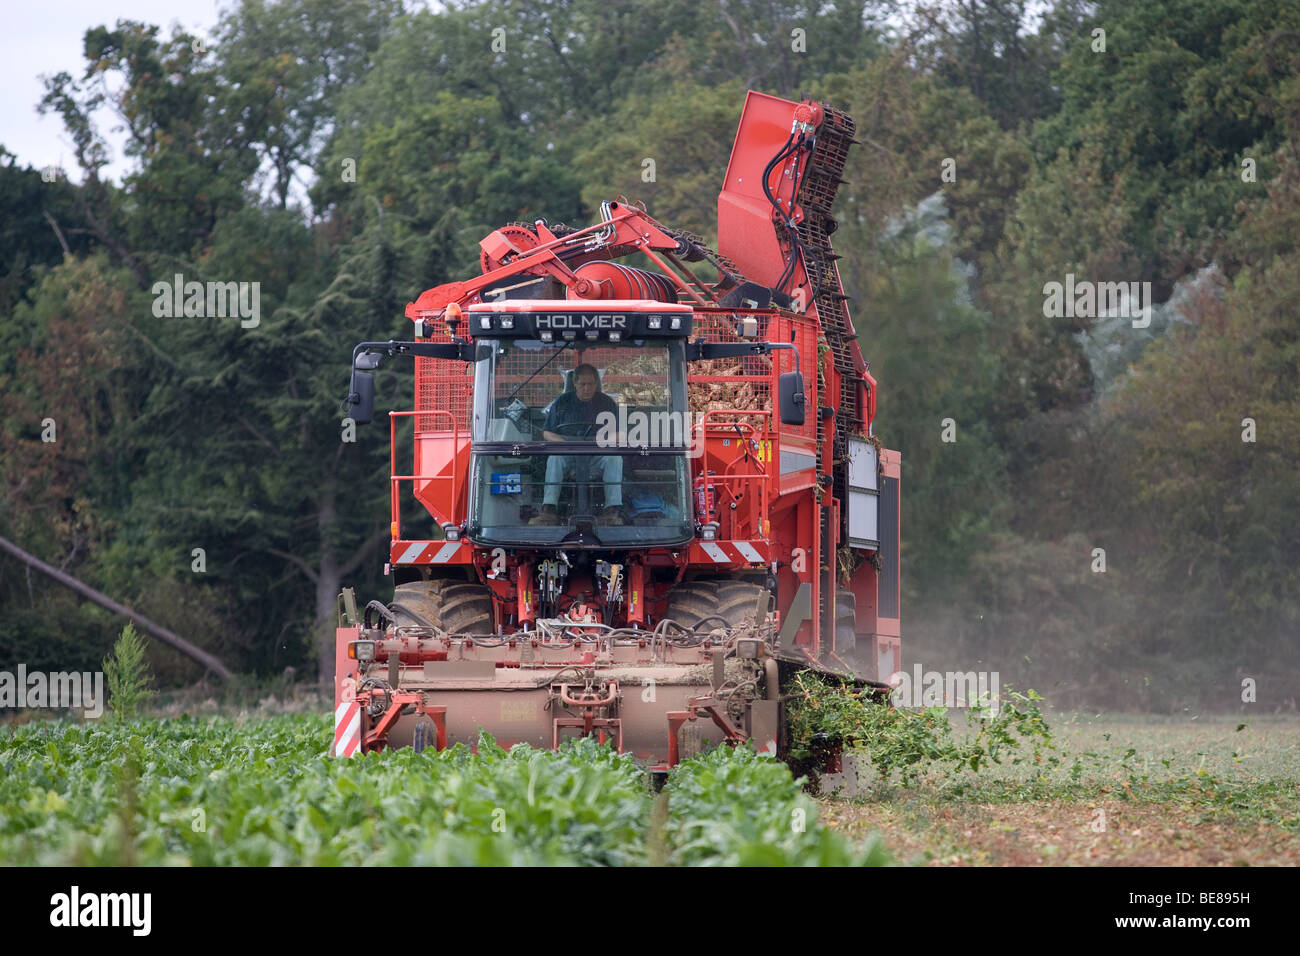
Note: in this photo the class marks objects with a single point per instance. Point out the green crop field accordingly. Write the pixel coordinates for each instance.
(1057, 789)
(262, 792)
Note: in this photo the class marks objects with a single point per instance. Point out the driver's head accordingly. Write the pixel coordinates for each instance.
(586, 382)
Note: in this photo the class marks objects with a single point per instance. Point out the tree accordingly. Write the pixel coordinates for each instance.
(187, 176)
(680, 184)
(38, 226)
(127, 674)
(1213, 412)
(282, 67)
(1185, 89)
(934, 349)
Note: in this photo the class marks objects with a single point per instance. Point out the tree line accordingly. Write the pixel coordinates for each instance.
(1096, 504)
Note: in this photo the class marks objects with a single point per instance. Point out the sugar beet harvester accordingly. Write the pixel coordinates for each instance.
(654, 496)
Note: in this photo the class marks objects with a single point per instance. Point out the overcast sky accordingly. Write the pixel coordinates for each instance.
(46, 38)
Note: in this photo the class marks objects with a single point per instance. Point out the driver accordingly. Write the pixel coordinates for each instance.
(574, 409)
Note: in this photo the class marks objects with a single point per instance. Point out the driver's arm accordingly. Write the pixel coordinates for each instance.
(553, 421)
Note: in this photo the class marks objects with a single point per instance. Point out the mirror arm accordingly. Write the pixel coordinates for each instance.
(786, 345)
(704, 351)
(459, 351)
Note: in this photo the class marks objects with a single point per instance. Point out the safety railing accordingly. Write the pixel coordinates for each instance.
(395, 479)
(747, 433)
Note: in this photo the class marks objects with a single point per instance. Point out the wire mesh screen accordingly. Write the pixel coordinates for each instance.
(720, 384)
(749, 382)
(446, 385)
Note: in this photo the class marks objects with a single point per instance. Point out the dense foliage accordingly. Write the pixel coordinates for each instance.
(908, 742)
(215, 792)
(348, 154)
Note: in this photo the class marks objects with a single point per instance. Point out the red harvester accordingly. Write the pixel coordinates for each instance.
(653, 495)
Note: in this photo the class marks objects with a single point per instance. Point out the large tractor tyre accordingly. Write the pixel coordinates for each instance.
(457, 607)
(692, 602)
(846, 625)
(713, 603)
(738, 602)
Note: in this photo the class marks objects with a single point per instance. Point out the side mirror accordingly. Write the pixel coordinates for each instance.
(362, 397)
(790, 389)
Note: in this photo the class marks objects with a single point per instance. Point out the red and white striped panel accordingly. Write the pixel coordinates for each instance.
(347, 730)
(727, 552)
(429, 552)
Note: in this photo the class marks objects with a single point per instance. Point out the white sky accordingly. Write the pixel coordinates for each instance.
(46, 38)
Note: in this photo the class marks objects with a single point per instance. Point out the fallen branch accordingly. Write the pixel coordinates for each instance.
(169, 638)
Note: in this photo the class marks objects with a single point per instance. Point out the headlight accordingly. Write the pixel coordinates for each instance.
(361, 650)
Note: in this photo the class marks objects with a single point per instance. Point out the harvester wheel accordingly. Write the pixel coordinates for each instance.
(714, 604)
(457, 607)
(738, 602)
(691, 602)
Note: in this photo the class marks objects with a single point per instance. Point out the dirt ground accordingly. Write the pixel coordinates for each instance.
(1147, 792)
(1062, 834)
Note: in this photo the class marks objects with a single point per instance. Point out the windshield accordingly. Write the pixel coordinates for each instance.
(524, 381)
(581, 443)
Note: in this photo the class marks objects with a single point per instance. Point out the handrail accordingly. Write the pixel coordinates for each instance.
(755, 434)
(395, 509)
